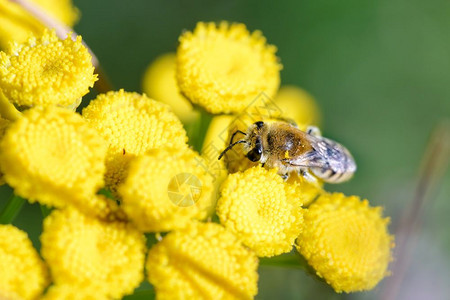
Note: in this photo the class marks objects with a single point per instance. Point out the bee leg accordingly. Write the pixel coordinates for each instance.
(308, 176)
(263, 164)
(314, 131)
(285, 176)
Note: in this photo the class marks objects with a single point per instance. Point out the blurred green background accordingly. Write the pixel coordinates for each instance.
(380, 71)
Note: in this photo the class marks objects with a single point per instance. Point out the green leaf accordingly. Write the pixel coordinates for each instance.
(11, 209)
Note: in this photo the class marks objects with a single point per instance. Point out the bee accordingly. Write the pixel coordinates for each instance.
(284, 146)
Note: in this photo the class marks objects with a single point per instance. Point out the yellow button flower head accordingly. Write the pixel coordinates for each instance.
(159, 83)
(86, 252)
(346, 241)
(46, 71)
(261, 210)
(296, 104)
(51, 155)
(165, 189)
(16, 24)
(72, 292)
(224, 67)
(132, 124)
(202, 261)
(23, 275)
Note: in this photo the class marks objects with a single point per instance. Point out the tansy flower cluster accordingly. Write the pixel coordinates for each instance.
(131, 199)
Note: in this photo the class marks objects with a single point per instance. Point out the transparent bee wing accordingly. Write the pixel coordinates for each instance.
(326, 154)
(311, 159)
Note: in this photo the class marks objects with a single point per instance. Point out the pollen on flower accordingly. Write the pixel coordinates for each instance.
(166, 188)
(23, 275)
(73, 292)
(346, 241)
(132, 124)
(159, 83)
(260, 209)
(86, 252)
(16, 24)
(202, 261)
(224, 67)
(46, 71)
(51, 155)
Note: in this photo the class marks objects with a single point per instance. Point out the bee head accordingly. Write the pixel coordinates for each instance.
(255, 145)
(252, 141)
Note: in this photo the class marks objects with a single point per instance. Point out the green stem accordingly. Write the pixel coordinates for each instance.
(141, 295)
(45, 210)
(11, 209)
(201, 127)
(290, 260)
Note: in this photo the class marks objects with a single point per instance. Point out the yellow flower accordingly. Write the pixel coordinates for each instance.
(346, 241)
(224, 67)
(23, 275)
(46, 71)
(16, 24)
(297, 105)
(52, 156)
(165, 189)
(132, 124)
(159, 83)
(202, 261)
(261, 210)
(72, 292)
(86, 252)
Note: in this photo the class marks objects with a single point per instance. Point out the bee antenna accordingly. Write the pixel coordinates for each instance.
(234, 133)
(231, 146)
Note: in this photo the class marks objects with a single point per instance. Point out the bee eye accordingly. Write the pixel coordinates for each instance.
(259, 124)
(254, 155)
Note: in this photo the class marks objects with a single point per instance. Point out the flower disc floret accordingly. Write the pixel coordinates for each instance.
(132, 124)
(261, 210)
(23, 275)
(86, 252)
(166, 188)
(346, 241)
(52, 156)
(73, 292)
(224, 67)
(46, 71)
(202, 261)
